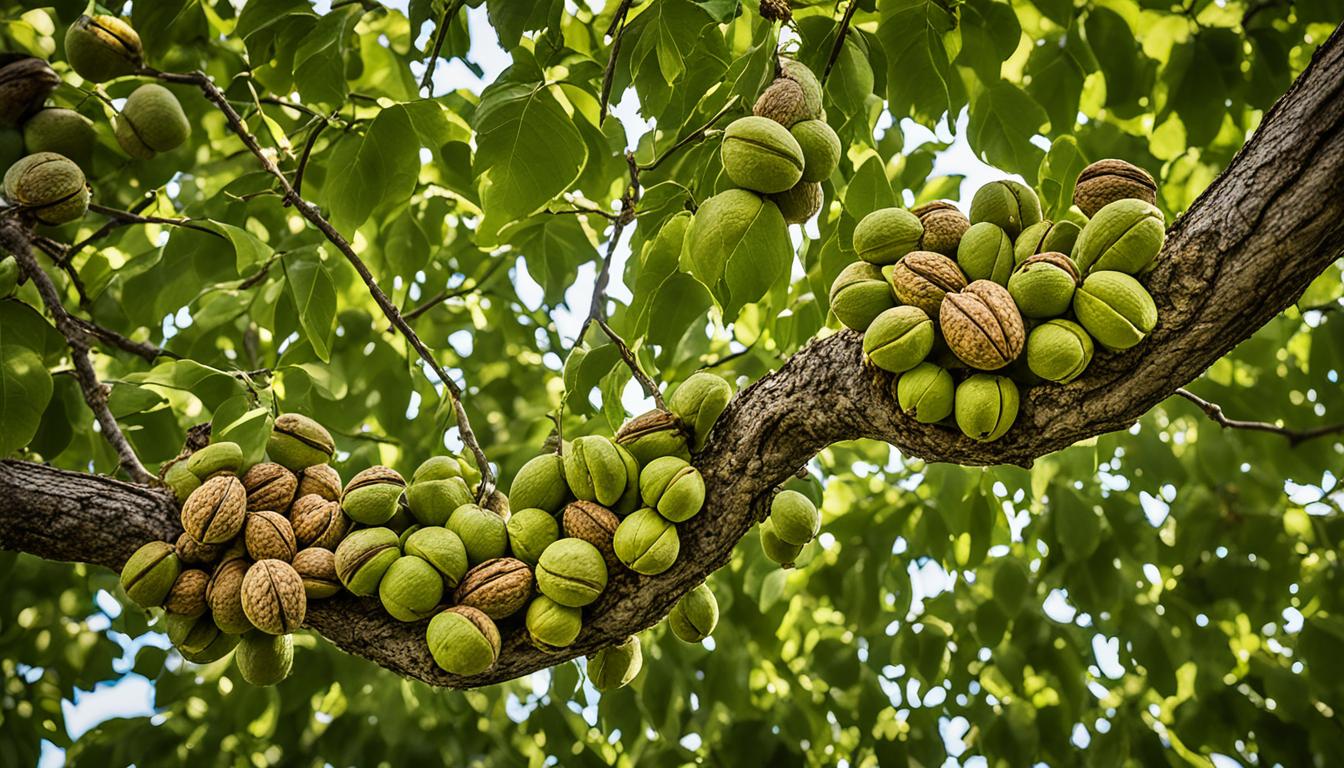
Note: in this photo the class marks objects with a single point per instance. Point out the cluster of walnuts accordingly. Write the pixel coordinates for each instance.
(962, 308)
(259, 542)
(48, 150)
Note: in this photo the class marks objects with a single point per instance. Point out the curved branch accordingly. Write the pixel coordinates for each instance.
(1245, 251)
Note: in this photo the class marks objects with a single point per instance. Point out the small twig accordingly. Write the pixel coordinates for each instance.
(693, 136)
(308, 151)
(440, 35)
(649, 386)
(839, 39)
(143, 349)
(1294, 436)
(110, 225)
(260, 275)
(121, 217)
(616, 32)
(731, 356)
(58, 254)
(461, 290)
(314, 216)
(15, 239)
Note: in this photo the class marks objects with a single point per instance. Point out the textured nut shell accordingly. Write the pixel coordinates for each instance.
(273, 597)
(1106, 181)
(799, 203)
(269, 486)
(225, 596)
(269, 536)
(982, 325)
(320, 479)
(922, 278)
(594, 524)
(214, 512)
(318, 522)
(187, 597)
(24, 87)
(944, 224)
(498, 588)
(193, 552)
(317, 568)
(784, 102)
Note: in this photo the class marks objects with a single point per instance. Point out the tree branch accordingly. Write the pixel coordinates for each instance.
(840, 35)
(143, 349)
(440, 35)
(461, 290)
(314, 217)
(15, 239)
(693, 136)
(1294, 436)
(616, 32)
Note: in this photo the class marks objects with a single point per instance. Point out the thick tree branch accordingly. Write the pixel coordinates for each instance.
(314, 217)
(1245, 251)
(15, 239)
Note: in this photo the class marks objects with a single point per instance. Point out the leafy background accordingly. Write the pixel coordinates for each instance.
(1170, 594)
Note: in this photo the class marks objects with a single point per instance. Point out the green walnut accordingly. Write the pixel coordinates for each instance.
(982, 325)
(925, 393)
(616, 665)
(216, 458)
(101, 48)
(571, 572)
(194, 632)
(552, 626)
(531, 531)
(264, 659)
(540, 484)
(49, 187)
(799, 203)
(922, 278)
(436, 489)
(777, 549)
(646, 542)
(783, 102)
(297, 442)
(1125, 236)
(595, 469)
(761, 155)
(442, 549)
(944, 225)
(1059, 350)
(317, 567)
(986, 253)
(410, 589)
(673, 487)
(371, 497)
(719, 228)
(699, 401)
(180, 480)
(1106, 181)
(886, 235)
(794, 518)
(363, 557)
(25, 83)
(986, 406)
(463, 641)
(1046, 237)
(653, 434)
(821, 148)
(150, 573)
(482, 532)
(63, 131)
(899, 339)
(695, 615)
(1044, 284)
(9, 280)
(859, 294)
(1115, 309)
(1012, 205)
(151, 121)
(629, 500)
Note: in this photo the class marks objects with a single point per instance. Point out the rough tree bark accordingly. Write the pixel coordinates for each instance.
(1244, 251)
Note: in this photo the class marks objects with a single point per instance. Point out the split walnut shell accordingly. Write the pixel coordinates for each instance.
(922, 278)
(318, 522)
(320, 479)
(317, 568)
(594, 524)
(1106, 181)
(498, 588)
(273, 597)
(194, 552)
(269, 486)
(214, 512)
(944, 224)
(269, 536)
(983, 326)
(25, 83)
(187, 597)
(225, 595)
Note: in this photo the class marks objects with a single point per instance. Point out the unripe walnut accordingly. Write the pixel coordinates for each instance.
(101, 48)
(49, 187)
(151, 121)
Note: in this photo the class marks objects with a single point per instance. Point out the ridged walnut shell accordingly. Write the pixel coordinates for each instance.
(193, 552)
(317, 567)
(596, 525)
(320, 479)
(318, 522)
(922, 278)
(273, 597)
(225, 595)
(187, 597)
(269, 536)
(214, 512)
(498, 588)
(1106, 181)
(269, 486)
(944, 224)
(982, 325)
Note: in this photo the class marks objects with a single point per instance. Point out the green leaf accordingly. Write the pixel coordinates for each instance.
(236, 420)
(921, 81)
(314, 296)
(1077, 524)
(1059, 171)
(211, 385)
(249, 249)
(1004, 119)
(869, 189)
(319, 60)
(25, 388)
(528, 151)
(379, 169)
(1057, 69)
(1128, 72)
